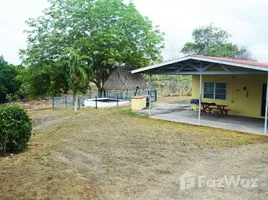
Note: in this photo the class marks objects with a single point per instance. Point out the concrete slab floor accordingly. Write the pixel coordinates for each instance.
(168, 107)
(179, 112)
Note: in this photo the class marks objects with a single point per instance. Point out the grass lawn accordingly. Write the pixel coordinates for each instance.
(114, 154)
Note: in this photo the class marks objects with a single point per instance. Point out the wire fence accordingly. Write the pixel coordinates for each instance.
(64, 102)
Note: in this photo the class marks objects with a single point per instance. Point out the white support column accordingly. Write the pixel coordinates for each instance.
(200, 99)
(150, 96)
(266, 108)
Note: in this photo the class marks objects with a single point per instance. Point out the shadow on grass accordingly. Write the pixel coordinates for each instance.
(13, 153)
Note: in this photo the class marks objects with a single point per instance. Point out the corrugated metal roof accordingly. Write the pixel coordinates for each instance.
(245, 62)
(208, 59)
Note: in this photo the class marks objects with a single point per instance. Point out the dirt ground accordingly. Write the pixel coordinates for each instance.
(113, 154)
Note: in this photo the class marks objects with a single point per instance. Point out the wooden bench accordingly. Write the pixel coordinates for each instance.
(215, 111)
(226, 111)
(219, 110)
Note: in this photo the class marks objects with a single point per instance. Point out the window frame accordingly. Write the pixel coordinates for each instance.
(214, 90)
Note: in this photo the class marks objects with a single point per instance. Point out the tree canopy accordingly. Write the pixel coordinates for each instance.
(9, 84)
(213, 41)
(104, 34)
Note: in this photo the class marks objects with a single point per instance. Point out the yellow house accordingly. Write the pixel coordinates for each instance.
(243, 94)
(237, 84)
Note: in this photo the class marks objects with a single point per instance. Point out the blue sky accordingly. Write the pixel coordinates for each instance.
(246, 20)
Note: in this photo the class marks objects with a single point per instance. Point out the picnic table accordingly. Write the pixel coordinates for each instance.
(218, 109)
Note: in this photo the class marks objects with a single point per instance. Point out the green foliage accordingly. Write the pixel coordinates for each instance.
(103, 34)
(170, 85)
(9, 84)
(15, 128)
(77, 70)
(205, 38)
(213, 41)
(222, 50)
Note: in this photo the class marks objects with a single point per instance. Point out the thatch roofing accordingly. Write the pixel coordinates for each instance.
(122, 79)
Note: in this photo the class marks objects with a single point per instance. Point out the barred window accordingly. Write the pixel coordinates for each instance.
(215, 90)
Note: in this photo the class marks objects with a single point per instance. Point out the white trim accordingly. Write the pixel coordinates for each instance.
(213, 73)
(254, 67)
(159, 65)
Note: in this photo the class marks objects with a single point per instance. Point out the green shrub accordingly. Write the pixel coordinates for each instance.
(15, 128)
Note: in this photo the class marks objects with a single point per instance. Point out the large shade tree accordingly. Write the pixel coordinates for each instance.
(104, 34)
(213, 41)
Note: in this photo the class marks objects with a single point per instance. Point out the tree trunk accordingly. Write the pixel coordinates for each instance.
(100, 92)
(104, 93)
(75, 102)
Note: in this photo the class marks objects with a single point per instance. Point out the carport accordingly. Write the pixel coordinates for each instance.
(203, 66)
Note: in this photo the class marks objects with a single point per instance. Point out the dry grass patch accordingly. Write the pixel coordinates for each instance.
(109, 154)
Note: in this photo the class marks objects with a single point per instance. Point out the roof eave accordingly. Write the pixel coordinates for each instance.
(143, 70)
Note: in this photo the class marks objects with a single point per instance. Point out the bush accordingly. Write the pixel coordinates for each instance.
(15, 128)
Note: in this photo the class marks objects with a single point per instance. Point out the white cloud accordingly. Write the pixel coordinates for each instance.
(245, 19)
(13, 14)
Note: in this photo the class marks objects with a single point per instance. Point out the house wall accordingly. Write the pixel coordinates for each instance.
(236, 97)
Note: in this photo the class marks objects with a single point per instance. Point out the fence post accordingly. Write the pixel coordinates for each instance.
(96, 100)
(117, 99)
(65, 102)
(155, 94)
(53, 103)
(90, 95)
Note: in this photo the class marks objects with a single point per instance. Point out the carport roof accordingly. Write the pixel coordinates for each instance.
(196, 64)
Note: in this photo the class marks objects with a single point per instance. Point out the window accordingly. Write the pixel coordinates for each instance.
(215, 90)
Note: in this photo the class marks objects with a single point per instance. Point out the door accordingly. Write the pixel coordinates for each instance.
(263, 103)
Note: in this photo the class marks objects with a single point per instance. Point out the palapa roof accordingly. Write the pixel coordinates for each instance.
(122, 79)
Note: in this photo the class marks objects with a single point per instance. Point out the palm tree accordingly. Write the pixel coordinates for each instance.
(77, 71)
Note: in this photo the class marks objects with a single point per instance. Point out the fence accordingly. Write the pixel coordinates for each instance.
(127, 95)
(65, 102)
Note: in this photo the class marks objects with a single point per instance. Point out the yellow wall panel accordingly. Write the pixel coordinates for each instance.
(244, 92)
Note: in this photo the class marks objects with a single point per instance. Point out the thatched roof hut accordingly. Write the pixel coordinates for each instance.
(122, 79)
